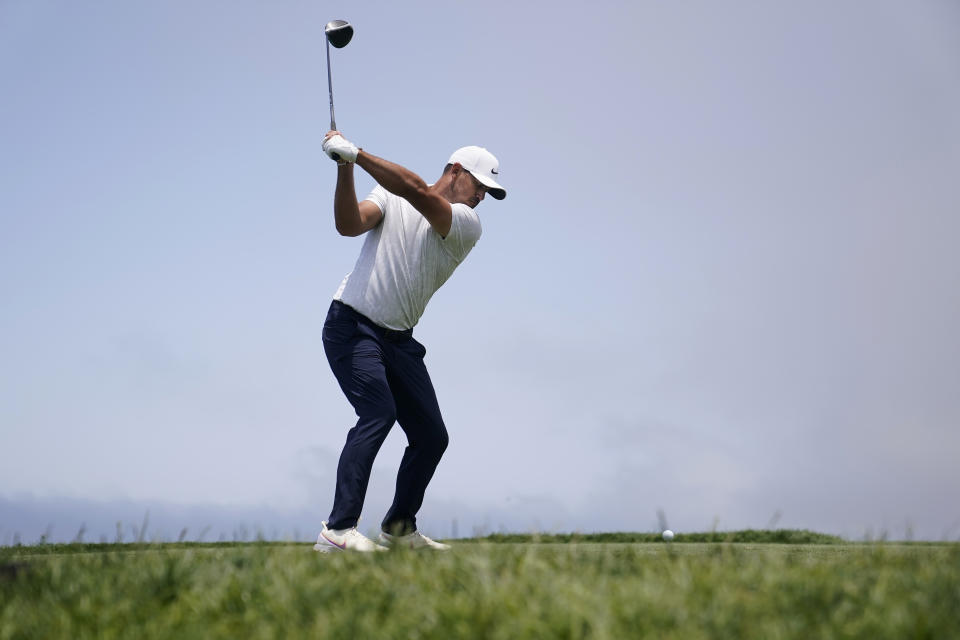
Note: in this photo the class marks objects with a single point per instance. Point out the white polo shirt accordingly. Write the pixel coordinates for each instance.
(404, 261)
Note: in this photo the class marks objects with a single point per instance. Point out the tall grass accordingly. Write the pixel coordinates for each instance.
(574, 590)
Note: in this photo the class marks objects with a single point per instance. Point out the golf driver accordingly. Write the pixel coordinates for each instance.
(339, 33)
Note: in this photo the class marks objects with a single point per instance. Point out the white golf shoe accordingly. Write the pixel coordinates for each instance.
(345, 540)
(415, 540)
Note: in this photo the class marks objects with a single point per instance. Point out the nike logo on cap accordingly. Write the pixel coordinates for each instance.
(494, 172)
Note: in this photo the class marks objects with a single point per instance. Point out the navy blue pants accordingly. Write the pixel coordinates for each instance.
(383, 376)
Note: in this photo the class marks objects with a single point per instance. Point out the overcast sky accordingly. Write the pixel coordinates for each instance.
(725, 281)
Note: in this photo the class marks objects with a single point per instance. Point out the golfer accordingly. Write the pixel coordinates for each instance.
(417, 234)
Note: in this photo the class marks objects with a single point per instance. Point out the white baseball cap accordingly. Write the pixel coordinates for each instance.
(483, 166)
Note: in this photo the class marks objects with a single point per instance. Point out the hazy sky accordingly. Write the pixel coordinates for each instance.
(724, 282)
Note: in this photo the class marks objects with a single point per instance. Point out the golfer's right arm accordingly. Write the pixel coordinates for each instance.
(352, 218)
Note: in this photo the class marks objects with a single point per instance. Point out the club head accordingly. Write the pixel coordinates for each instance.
(339, 33)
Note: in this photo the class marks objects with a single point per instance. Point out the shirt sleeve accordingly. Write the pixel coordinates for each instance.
(465, 230)
(379, 197)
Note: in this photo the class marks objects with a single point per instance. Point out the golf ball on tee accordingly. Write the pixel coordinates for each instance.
(667, 535)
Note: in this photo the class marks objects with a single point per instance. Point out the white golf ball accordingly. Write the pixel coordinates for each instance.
(667, 535)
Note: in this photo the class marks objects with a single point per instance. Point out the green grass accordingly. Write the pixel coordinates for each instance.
(780, 536)
(560, 588)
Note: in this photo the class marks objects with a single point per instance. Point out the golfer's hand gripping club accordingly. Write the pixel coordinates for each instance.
(339, 148)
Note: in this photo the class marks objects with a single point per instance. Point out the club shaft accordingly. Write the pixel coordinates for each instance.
(333, 120)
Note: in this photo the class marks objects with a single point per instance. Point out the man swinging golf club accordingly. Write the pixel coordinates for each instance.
(417, 234)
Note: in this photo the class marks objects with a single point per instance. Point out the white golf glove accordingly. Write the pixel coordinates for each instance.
(337, 145)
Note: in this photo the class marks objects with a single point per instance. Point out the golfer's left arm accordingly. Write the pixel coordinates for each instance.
(398, 180)
(402, 182)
